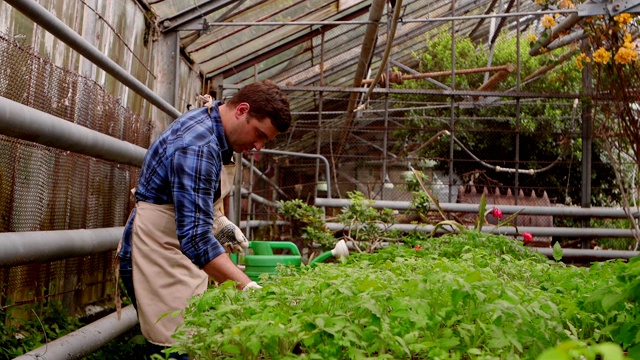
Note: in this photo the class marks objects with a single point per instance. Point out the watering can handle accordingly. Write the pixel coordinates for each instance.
(285, 245)
(279, 245)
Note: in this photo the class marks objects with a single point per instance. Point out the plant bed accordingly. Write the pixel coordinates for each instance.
(464, 296)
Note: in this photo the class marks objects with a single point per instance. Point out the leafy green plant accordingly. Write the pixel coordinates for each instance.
(20, 334)
(23, 333)
(454, 226)
(580, 351)
(307, 223)
(544, 126)
(460, 296)
(129, 345)
(366, 226)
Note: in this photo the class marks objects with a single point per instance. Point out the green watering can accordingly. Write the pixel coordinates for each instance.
(263, 260)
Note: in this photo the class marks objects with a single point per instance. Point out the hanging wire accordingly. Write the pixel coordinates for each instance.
(503, 169)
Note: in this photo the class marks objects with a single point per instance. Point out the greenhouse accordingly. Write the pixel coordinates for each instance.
(436, 179)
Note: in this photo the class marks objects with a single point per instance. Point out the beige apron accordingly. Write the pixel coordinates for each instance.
(165, 279)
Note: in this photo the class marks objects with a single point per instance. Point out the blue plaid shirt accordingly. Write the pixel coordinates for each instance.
(182, 167)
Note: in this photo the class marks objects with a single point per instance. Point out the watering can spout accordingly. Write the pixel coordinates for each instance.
(339, 251)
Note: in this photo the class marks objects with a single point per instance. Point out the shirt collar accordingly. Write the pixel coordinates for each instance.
(218, 130)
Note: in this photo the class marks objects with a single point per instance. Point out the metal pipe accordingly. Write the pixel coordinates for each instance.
(60, 30)
(261, 223)
(587, 139)
(553, 34)
(87, 339)
(600, 212)
(259, 199)
(398, 77)
(46, 129)
(588, 253)
(369, 22)
(508, 231)
(444, 92)
(315, 156)
(19, 248)
(262, 176)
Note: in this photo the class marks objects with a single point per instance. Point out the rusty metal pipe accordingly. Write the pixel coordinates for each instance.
(399, 77)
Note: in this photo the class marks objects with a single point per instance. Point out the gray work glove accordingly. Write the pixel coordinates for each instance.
(229, 235)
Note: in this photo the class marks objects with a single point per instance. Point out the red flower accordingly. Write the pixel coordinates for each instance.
(497, 213)
(527, 237)
(417, 247)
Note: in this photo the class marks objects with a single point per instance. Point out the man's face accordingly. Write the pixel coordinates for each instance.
(247, 133)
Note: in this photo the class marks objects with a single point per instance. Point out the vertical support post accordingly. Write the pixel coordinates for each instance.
(385, 175)
(237, 185)
(452, 120)
(587, 142)
(250, 210)
(167, 59)
(320, 101)
(518, 120)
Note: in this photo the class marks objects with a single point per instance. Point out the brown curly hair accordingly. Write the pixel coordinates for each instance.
(265, 100)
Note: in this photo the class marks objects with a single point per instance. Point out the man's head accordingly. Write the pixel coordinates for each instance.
(257, 113)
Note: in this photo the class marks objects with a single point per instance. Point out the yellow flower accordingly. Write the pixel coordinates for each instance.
(582, 57)
(566, 4)
(548, 21)
(625, 56)
(628, 41)
(601, 56)
(531, 37)
(623, 19)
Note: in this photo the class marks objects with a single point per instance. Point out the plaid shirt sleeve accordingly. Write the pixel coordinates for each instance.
(195, 178)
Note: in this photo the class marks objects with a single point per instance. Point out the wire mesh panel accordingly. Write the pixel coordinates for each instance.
(43, 188)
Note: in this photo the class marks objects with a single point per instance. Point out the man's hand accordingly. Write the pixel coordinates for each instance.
(251, 285)
(229, 235)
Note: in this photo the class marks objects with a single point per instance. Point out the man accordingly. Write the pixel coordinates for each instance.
(170, 246)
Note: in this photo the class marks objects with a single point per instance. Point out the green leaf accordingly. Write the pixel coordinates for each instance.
(557, 251)
(481, 211)
(609, 351)
(554, 354)
(610, 300)
(451, 223)
(634, 352)
(231, 349)
(509, 219)
(404, 346)
(474, 351)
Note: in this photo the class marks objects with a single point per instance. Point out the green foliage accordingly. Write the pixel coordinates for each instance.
(469, 296)
(19, 334)
(455, 227)
(129, 345)
(365, 225)
(580, 351)
(307, 223)
(547, 126)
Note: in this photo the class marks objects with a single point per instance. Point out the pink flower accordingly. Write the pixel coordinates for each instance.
(497, 213)
(527, 237)
(417, 247)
